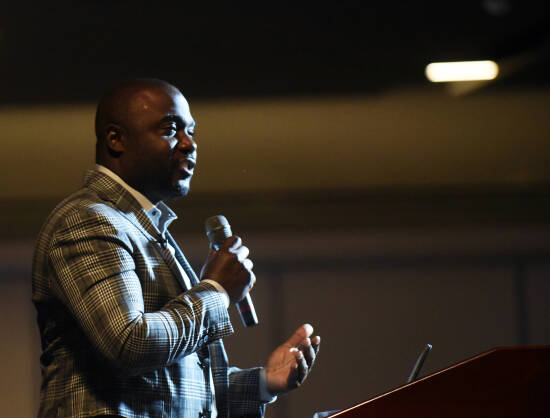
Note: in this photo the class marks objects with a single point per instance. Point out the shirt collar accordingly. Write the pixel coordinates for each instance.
(160, 214)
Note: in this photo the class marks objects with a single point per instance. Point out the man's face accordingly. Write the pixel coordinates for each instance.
(160, 153)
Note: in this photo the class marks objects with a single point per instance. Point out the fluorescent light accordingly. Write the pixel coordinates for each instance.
(461, 71)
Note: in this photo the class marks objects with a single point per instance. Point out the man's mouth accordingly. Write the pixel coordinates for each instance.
(187, 166)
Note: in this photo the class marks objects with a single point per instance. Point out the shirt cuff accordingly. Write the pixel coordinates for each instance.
(265, 396)
(220, 289)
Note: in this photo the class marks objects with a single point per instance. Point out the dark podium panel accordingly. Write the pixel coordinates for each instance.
(503, 382)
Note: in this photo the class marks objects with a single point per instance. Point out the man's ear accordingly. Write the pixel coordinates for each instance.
(115, 139)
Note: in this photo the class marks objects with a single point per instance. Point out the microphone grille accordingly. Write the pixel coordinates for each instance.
(217, 229)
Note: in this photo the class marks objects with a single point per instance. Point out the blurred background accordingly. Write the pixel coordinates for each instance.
(388, 211)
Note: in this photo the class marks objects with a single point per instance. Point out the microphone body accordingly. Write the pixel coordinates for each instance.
(217, 231)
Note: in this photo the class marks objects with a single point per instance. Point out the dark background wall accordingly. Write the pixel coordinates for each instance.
(386, 211)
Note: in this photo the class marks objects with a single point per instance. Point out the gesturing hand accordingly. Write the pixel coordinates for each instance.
(289, 364)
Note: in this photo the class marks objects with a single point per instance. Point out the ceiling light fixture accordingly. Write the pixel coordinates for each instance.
(438, 72)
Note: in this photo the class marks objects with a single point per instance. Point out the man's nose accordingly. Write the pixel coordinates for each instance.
(186, 143)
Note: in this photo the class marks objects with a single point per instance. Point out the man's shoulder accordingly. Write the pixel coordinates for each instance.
(99, 196)
(77, 215)
(83, 210)
(83, 201)
(100, 209)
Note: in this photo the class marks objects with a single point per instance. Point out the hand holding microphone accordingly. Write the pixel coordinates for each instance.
(228, 265)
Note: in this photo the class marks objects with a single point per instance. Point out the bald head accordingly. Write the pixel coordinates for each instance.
(115, 107)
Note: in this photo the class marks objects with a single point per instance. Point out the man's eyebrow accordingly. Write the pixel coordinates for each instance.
(177, 119)
(171, 118)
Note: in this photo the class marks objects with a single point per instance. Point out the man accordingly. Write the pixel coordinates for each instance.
(127, 329)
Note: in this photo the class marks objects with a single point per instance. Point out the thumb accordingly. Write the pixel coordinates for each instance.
(229, 243)
(211, 254)
(303, 332)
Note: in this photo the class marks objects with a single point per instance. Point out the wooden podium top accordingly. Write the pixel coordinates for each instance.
(503, 382)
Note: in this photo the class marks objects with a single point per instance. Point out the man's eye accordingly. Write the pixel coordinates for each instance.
(170, 130)
(191, 132)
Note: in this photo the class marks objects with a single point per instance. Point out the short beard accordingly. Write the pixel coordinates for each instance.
(177, 192)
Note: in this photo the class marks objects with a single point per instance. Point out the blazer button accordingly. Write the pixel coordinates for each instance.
(204, 363)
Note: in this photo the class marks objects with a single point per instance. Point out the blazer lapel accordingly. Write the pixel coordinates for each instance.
(182, 260)
(166, 254)
(111, 191)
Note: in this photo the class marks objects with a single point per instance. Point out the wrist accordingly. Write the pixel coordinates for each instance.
(266, 395)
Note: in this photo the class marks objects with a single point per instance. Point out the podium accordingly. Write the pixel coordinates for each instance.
(504, 382)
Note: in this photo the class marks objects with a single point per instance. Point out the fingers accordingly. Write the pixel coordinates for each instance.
(315, 343)
(230, 243)
(231, 268)
(241, 252)
(252, 279)
(308, 347)
(234, 244)
(301, 368)
(248, 264)
(307, 350)
(303, 332)
(289, 366)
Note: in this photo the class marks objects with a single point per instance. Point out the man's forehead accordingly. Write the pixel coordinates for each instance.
(159, 99)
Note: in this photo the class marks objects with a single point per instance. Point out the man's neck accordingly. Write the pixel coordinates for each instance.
(140, 197)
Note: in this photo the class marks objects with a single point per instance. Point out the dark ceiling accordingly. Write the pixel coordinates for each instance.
(72, 50)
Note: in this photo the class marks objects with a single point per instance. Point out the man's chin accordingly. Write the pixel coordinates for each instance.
(179, 191)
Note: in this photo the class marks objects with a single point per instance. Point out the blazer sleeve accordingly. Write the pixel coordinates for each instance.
(95, 277)
(244, 393)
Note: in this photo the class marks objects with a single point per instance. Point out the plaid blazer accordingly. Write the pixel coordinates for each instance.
(120, 332)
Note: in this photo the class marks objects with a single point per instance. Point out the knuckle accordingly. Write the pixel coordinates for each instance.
(248, 264)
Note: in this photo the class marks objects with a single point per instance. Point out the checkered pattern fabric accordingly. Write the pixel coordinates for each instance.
(121, 334)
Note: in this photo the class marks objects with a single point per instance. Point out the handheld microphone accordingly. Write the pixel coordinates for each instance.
(217, 231)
